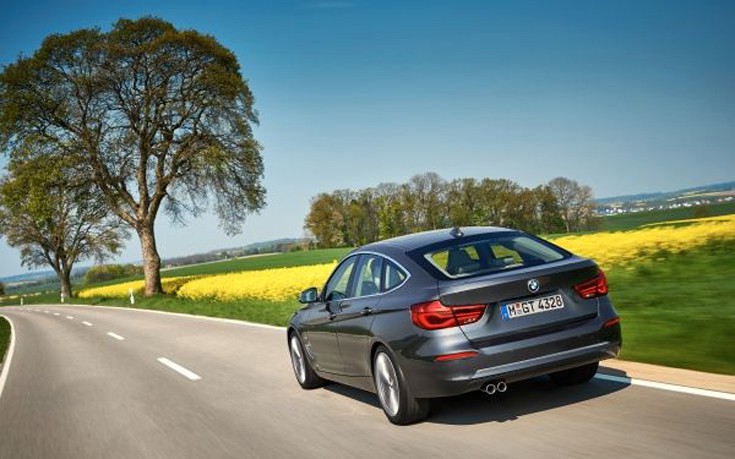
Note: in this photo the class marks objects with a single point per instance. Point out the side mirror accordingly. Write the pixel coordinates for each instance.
(310, 295)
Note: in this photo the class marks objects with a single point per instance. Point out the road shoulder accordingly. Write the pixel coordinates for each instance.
(668, 375)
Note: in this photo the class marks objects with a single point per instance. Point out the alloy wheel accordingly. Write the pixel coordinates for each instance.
(297, 359)
(387, 383)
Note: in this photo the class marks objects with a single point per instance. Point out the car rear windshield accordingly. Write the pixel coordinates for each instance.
(491, 253)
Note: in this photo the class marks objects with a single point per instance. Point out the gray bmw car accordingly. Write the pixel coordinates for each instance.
(446, 312)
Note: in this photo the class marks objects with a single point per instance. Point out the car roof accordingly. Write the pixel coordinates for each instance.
(416, 240)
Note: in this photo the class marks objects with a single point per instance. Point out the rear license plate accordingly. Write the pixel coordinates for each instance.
(527, 307)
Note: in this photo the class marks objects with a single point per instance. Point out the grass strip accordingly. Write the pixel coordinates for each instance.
(4, 338)
(679, 309)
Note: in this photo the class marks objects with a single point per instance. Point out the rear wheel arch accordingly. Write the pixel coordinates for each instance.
(290, 332)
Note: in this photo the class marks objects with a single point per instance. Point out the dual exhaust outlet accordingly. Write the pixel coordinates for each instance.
(494, 386)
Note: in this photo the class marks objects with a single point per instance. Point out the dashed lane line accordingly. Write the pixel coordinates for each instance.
(179, 369)
(116, 336)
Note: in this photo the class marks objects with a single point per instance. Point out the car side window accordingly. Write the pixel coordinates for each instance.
(367, 276)
(337, 287)
(393, 276)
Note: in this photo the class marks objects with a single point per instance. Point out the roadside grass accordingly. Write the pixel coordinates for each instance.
(265, 312)
(4, 338)
(679, 310)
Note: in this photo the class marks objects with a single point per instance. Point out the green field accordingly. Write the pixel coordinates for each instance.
(678, 310)
(4, 337)
(279, 260)
(252, 263)
(633, 220)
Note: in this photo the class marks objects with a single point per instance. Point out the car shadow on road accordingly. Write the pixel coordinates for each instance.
(522, 398)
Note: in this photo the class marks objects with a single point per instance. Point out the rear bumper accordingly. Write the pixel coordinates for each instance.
(549, 363)
(513, 361)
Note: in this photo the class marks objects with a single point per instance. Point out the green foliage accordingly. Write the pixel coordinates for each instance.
(2, 288)
(103, 273)
(154, 116)
(426, 202)
(55, 218)
(575, 203)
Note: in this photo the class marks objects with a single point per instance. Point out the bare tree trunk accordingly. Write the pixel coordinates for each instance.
(65, 278)
(151, 260)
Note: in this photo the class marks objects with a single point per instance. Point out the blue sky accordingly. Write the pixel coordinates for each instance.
(625, 96)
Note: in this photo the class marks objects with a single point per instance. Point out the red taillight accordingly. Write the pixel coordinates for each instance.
(433, 315)
(597, 286)
(611, 322)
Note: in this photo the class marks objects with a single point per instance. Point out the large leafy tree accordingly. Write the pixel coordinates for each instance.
(576, 203)
(55, 218)
(162, 117)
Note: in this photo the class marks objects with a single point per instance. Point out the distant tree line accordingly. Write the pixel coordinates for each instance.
(351, 218)
(197, 258)
(104, 273)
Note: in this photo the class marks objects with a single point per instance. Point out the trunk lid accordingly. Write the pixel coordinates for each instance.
(556, 281)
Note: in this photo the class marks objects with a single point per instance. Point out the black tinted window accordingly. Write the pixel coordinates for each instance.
(337, 287)
(367, 276)
(494, 253)
(393, 276)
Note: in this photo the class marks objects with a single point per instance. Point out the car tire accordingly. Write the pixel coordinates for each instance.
(576, 375)
(305, 374)
(399, 405)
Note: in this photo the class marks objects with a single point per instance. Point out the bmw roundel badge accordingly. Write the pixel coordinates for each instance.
(533, 285)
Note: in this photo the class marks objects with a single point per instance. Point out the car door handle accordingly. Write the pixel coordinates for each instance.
(367, 311)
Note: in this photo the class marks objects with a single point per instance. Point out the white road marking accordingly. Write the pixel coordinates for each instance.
(179, 369)
(70, 317)
(668, 387)
(639, 382)
(88, 324)
(56, 314)
(115, 335)
(8, 356)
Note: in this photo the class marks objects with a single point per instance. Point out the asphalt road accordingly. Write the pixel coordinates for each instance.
(75, 389)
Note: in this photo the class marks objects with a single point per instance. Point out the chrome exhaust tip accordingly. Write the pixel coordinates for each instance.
(489, 388)
(501, 386)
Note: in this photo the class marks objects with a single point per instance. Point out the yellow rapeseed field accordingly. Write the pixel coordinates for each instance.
(609, 249)
(622, 247)
(275, 284)
(170, 285)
